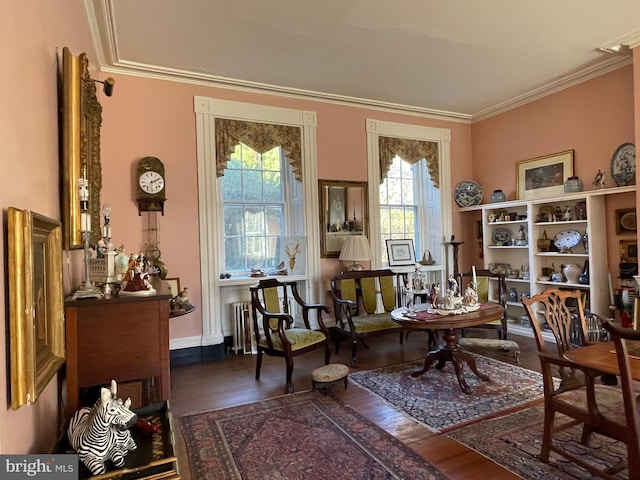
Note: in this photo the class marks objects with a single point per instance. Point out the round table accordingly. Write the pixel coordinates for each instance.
(449, 350)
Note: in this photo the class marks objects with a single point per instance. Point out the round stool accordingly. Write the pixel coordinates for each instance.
(324, 377)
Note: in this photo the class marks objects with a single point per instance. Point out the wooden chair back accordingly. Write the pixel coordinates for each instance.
(627, 343)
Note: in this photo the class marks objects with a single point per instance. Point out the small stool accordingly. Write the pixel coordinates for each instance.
(323, 377)
(504, 345)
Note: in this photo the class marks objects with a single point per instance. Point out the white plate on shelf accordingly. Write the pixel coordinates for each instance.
(567, 239)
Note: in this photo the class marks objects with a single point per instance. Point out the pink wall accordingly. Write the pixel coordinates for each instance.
(33, 33)
(592, 118)
(153, 117)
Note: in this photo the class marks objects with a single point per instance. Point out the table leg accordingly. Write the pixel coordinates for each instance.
(450, 351)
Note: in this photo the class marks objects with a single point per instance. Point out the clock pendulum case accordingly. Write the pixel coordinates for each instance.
(151, 197)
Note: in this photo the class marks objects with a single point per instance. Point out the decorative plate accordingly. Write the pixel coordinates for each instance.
(623, 165)
(503, 268)
(501, 236)
(567, 239)
(468, 193)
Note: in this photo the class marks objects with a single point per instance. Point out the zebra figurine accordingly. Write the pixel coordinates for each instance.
(102, 432)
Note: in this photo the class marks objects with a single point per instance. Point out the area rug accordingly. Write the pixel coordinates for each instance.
(435, 399)
(514, 442)
(306, 435)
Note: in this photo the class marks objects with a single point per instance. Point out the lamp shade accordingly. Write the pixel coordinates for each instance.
(355, 249)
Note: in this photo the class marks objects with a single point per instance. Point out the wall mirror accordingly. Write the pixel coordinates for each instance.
(81, 121)
(343, 212)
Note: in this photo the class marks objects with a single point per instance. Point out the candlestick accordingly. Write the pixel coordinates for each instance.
(612, 300)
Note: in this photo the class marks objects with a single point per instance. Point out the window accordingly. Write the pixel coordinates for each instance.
(254, 189)
(407, 195)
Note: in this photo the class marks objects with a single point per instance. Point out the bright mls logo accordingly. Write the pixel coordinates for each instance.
(51, 467)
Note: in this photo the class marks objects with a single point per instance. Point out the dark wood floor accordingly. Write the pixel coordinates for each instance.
(231, 382)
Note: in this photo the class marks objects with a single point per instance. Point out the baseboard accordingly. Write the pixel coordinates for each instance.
(202, 354)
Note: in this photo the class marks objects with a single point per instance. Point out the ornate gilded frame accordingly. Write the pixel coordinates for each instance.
(354, 214)
(36, 303)
(81, 122)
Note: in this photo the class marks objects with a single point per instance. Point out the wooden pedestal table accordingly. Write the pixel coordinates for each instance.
(449, 350)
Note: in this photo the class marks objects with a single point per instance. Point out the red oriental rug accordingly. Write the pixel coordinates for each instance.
(305, 435)
(514, 442)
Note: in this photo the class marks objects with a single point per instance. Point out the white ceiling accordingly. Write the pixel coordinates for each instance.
(458, 58)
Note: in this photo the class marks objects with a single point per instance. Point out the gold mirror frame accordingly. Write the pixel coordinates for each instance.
(344, 211)
(36, 304)
(81, 122)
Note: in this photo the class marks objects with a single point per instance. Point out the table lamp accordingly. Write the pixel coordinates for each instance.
(355, 249)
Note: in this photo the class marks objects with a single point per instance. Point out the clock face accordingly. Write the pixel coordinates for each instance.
(151, 182)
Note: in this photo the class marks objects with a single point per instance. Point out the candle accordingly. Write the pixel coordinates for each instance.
(85, 222)
(475, 280)
(612, 300)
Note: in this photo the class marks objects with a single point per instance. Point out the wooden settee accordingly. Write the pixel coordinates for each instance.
(363, 301)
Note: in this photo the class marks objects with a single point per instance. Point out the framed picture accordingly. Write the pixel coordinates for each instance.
(626, 220)
(401, 252)
(293, 253)
(174, 286)
(36, 303)
(628, 250)
(543, 176)
(343, 212)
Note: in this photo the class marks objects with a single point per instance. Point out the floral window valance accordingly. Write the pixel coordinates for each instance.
(261, 137)
(411, 151)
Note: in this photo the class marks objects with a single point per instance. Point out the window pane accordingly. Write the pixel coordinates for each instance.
(255, 212)
(272, 186)
(252, 186)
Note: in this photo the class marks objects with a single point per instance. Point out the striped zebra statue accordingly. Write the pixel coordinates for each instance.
(102, 432)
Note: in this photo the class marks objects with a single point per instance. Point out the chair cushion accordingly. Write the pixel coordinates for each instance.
(298, 338)
(372, 323)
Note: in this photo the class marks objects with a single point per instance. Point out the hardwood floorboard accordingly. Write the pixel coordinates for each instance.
(231, 381)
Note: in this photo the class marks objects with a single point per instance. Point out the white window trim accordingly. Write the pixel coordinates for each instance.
(442, 136)
(210, 202)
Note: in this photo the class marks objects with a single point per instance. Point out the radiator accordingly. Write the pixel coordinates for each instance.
(244, 340)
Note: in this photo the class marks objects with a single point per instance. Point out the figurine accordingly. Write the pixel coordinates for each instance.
(181, 301)
(599, 180)
(567, 214)
(470, 295)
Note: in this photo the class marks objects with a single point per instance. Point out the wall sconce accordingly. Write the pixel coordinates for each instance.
(355, 249)
(107, 87)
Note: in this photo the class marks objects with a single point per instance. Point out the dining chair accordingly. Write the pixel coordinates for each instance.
(275, 330)
(623, 339)
(484, 279)
(598, 408)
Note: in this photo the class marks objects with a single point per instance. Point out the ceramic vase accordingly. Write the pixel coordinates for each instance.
(573, 184)
(498, 196)
(581, 211)
(572, 272)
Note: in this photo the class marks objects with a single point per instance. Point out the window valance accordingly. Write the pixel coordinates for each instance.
(261, 137)
(411, 151)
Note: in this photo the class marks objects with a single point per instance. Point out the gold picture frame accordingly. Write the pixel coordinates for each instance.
(344, 211)
(628, 250)
(626, 221)
(543, 176)
(174, 286)
(36, 303)
(81, 122)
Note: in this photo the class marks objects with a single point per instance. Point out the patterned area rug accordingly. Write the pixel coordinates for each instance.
(436, 400)
(514, 442)
(301, 436)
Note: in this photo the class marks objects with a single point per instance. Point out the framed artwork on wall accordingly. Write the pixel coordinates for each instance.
(401, 252)
(626, 220)
(628, 250)
(543, 176)
(36, 303)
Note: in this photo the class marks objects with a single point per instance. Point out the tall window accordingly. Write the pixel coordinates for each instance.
(254, 189)
(408, 207)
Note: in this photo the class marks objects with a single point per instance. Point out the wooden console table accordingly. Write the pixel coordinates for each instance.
(120, 338)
